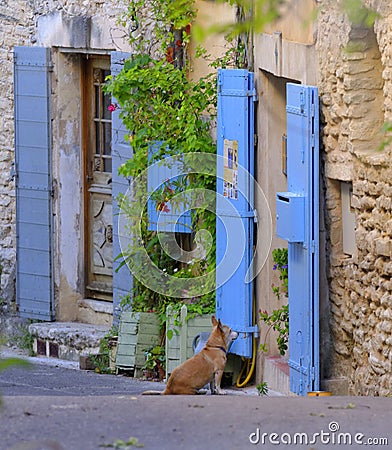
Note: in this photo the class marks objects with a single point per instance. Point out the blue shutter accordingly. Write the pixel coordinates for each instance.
(34, 277)
(298, 223)
(175, 219)
(234, 204)
(121, 152)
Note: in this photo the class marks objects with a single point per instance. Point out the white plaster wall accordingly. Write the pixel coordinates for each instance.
(67, 171)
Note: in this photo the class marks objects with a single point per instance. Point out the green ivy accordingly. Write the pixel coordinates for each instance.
(280, 257)
(170, 17)
(162, 107)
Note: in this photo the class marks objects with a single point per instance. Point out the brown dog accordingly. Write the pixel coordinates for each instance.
(205, 367)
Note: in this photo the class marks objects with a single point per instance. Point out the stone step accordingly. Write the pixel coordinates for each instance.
(67, 340)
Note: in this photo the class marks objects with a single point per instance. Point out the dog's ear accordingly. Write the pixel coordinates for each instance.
(220, 326)
(214, 321)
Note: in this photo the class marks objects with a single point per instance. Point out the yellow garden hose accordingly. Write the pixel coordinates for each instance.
(249, 362)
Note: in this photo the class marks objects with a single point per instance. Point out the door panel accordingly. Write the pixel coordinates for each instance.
(303, 248)
(121, 152)
(98, 180)
(234, 226)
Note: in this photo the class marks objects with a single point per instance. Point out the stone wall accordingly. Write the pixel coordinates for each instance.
(23, 23)
(355, 90)
(16, 24)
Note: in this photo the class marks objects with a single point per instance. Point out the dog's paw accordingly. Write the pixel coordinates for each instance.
(220, 392)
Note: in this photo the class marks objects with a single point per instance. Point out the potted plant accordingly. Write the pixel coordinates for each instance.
(154, 367)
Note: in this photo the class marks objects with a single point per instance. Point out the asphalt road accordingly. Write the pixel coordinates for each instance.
(57, 408)
(44, 380)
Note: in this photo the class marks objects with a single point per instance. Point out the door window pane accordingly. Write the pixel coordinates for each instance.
(103, 123)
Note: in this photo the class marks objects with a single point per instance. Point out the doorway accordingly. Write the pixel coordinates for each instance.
(98, 223)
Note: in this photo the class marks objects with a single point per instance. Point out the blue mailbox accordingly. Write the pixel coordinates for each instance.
(290, 216)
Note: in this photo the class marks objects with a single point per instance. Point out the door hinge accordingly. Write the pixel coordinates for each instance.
(248, 330)
(312, 110)
(302, 101)
(313, 246)
(12, 172)
(220, 82)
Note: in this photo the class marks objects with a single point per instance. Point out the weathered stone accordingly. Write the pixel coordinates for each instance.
(67, 340)
(383, 247)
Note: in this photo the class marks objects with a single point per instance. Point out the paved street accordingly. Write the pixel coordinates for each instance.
(60, 408)
(44, 380)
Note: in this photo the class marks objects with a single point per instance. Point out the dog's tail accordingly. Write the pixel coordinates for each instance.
(152, 393)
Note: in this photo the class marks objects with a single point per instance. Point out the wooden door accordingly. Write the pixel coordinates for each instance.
(97, 129)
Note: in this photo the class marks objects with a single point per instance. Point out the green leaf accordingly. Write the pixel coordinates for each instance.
(10, 362)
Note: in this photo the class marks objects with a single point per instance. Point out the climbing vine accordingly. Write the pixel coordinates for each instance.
(174, 114)
(163, 108)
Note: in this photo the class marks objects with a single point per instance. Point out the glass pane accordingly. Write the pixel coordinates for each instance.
(106, 102)
(96, 109)
(97, 164)
(107, 130)
(108, 165)
(97, 138)
(97, 75)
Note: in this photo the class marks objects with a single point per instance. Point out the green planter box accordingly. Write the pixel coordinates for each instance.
(179, 347)
(137, 333)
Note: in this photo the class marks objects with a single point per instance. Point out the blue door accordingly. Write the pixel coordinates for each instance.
(121, 152)
(34, 268)
(298, 222)
(234, 204)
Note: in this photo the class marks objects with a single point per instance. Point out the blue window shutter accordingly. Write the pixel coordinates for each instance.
(170, 221)
(234, 227)
(34, 274)
(303, 185)
(121, 152)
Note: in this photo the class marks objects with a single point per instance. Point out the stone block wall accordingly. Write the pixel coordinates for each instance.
(23, 23)
(355, 88)
(16, 24)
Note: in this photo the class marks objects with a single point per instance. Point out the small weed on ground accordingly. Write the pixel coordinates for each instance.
(120, 444)
(262, 388)
(23, 339)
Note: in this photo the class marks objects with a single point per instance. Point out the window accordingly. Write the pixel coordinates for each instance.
(102, 123)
